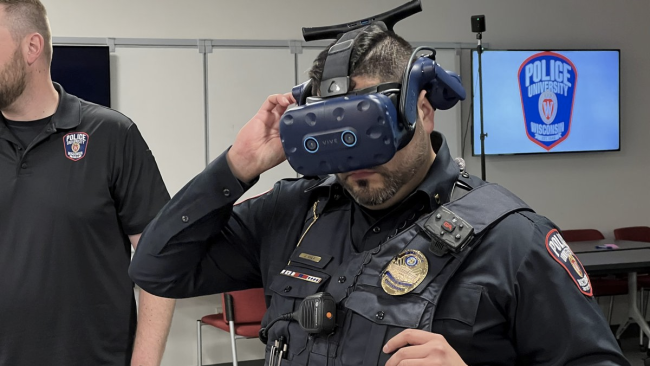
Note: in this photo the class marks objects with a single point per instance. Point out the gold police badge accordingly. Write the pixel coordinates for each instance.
(405, 272)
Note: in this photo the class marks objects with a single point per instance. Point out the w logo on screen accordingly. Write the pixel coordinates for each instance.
(547, 83)
(547, 107)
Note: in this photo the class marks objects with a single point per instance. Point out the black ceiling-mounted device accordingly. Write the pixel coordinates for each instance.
(478, 23)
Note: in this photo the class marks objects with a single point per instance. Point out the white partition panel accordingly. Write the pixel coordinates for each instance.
(240, 80)
(162, 91)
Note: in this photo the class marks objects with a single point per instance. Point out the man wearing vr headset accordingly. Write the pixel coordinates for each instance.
(509, 302)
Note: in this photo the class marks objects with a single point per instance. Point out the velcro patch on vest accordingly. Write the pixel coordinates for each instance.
(560, 251)
(302, 276)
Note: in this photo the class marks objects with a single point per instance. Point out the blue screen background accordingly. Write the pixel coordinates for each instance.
(595, 122)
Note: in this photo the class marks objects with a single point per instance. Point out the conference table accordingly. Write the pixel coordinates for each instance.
(614, 257)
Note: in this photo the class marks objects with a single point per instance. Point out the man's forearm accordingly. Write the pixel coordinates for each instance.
(154, 319)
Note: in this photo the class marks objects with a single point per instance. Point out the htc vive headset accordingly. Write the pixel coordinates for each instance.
(342, 130)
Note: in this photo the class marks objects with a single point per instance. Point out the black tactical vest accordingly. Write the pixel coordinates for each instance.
(368, 316)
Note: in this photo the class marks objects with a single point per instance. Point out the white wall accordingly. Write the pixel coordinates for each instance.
(599, 190)
(605, 190)
(592, 190)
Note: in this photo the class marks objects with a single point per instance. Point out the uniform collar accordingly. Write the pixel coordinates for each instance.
(442, 175)
(325, 182)
(437, 184)
(68, 112)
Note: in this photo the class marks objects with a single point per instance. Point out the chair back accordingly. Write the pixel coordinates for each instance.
(245, 306)
(582, 235)
(634, 233)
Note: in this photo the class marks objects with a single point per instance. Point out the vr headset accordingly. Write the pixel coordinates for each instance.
(342, 130)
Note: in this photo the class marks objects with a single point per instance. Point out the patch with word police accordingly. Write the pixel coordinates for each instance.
(405, 272)
(547, 83)
(562, 254)
(75, 145)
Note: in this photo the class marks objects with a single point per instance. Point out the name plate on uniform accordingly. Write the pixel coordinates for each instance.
(313, 258)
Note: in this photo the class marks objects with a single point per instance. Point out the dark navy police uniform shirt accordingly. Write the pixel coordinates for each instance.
(510, 302)
(68, 201)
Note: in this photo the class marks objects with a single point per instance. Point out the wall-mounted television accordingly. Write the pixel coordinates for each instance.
(83, 71)
(540, 102)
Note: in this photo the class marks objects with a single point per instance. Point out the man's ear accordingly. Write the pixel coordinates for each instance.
(34, 46)
(425, 111)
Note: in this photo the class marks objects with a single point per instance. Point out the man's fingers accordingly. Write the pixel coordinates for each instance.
(407, 353)
(271, 102)
(275, 100)
(290, 98)
(408, 337)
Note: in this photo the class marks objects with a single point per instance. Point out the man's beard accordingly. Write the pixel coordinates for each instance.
(367, 196)
(363, 194)
(13, 81)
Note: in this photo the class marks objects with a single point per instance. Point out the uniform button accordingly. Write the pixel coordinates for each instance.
(337, 197)
(226, 192)
(376, 229)
(185, 219)
(24, 166)
(380, 315)
(465, 175)
(438, 216)
(287, 289)
(342, 279)
(20, 148)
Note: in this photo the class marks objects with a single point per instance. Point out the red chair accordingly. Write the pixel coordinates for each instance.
(242, 317)
(633, 233)
(602, 286)
(637, 233)
(582, 235)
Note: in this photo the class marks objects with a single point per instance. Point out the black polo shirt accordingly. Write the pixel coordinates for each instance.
(68, 202)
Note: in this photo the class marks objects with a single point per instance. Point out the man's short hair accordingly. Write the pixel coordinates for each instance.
(377, 53)
(28, 16)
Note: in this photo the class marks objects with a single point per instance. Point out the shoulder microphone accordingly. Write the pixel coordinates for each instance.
(316, 315)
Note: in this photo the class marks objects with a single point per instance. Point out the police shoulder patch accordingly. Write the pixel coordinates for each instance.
(560, 251)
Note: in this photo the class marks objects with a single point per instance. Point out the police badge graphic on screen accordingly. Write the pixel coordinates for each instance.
(547, 83)
(75, 145)
(569, 101)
